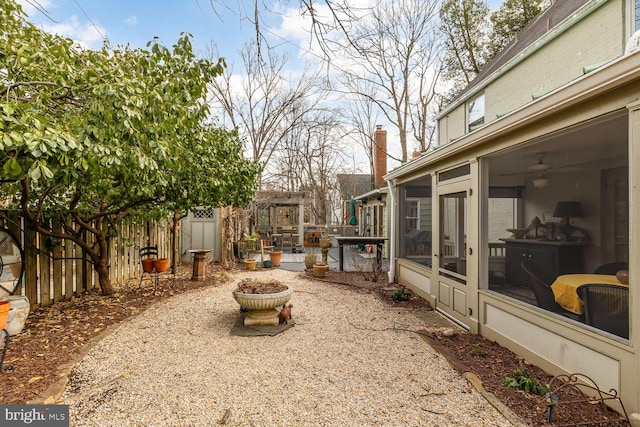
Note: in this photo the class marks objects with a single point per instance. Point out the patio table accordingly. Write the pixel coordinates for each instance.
(359, 240)
(564, 289)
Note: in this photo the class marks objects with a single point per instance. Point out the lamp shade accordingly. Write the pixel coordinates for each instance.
(568, 210)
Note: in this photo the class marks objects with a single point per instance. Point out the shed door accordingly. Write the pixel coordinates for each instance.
(205, 231)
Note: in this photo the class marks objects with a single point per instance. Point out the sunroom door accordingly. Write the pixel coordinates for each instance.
(450, 271)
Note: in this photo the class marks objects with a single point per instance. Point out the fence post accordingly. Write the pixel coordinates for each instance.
(57, 265)
(45, 269)
(69, 263)
(31, 267)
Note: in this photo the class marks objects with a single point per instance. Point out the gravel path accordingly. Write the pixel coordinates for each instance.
(348, 361)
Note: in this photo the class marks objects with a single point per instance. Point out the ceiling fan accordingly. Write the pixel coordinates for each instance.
(540, 170)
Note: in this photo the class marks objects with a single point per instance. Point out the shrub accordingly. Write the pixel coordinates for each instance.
(523, 381)
(401, 295)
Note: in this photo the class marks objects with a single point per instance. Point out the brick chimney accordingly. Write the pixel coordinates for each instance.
(379, 156)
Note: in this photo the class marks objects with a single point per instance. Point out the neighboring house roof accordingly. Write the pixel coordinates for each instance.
(354, 184)
(539, 26)
(376, 192)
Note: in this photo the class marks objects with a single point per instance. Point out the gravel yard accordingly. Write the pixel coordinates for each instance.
(348, 361)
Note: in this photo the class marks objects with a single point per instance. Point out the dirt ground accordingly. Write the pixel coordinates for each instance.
(55, 335)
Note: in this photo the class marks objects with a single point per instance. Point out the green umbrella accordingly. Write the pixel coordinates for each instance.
(353, 220)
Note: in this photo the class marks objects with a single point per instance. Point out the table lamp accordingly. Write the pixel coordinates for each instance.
(567, 210)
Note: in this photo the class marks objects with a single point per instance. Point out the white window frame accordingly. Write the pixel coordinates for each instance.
(407, 218)
(475, 112)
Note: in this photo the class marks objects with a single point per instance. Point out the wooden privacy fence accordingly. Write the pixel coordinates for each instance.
(58, 270)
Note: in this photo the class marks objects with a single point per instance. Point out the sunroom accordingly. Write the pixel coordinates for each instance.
(547, 190)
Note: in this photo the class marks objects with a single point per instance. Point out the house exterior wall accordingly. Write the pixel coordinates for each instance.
(546, 339)
(560, 60)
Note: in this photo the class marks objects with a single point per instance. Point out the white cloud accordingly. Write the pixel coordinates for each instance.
(29, 8)
(132, 20)
(87, 35)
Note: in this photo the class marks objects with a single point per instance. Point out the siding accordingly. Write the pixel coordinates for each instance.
(597, 38)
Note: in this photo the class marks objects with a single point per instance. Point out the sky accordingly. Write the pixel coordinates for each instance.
(136, 22)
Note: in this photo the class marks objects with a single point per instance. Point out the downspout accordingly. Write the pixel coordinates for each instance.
(392, 230)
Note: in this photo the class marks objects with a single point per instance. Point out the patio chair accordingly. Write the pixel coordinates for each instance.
(543, 293)
(606, 307)
(147, 252)
(611, 268)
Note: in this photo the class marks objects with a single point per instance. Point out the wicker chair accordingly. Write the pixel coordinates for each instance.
(544, 295)
(606, 307)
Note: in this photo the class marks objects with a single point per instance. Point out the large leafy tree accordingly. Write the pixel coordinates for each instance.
(92, 137)
(510, 18)
(465, 25)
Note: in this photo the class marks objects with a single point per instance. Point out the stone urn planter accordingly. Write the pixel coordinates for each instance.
(276, 258)
(261, 299)
(320, 270)
(325, 243)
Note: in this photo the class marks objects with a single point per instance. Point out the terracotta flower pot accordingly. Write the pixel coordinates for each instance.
(4, 313)
(250, 264)
(276, 258)
(320, 270)
(147, 265)
(161, 264)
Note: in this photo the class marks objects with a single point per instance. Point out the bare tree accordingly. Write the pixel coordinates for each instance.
(392, 58)
(310, 160)
(261, 103)
(361, 114)
(322, 161)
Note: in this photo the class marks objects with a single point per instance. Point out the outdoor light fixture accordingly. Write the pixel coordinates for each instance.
(567, 210)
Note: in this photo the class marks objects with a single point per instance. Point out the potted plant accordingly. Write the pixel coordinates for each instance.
(261, 298)
(250, 264)
(320, 270)
(276, 257)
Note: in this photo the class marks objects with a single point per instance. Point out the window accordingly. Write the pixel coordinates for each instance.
(475, 112)
(637, 16)
(415, 221)
(412, 208)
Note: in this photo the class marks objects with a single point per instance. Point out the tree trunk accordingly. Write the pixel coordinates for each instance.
(103, 277)
(174, 243)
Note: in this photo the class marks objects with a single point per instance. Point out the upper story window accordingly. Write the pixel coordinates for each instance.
(475, 112)
(637, 15)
